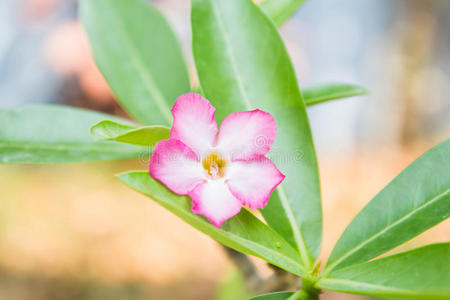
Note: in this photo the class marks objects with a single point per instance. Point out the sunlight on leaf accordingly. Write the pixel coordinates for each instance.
(331, 91)
(144, 136)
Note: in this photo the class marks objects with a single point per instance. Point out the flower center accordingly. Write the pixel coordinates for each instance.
(214, 165)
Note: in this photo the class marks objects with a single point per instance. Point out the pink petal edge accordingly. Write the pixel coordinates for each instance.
(247, 134)
(176, 166)
(194, 123)
(214, 200)
(253, 181)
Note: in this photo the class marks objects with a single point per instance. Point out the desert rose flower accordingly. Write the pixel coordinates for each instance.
(221, 170)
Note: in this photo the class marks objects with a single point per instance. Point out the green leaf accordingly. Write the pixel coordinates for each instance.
(274, 296)
(139, 56)
(242, 64)
(414, 201)
(144, 136)
(244, 232)
(280, 10)
(233, 287)
(419, 273)
(331, 91)
(56, 134)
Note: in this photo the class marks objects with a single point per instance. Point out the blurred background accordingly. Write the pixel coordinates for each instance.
(74, 232)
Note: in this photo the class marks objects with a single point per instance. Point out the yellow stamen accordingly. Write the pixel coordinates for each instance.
(214, 165)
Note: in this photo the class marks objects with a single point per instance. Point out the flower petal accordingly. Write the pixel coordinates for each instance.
(244, 135)
(194, 123)
(176, 165)
(214, 200)
(252, 181)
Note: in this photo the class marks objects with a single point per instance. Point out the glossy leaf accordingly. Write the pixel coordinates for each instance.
(242, 64)
(244, 232)
(414, 201)
(280, 10)
(56, 134)
(331, 91)
(124, 133)
(419, 273)
(139, 56)
(274, 296)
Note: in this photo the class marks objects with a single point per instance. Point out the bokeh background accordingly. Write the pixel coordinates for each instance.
(75, 232)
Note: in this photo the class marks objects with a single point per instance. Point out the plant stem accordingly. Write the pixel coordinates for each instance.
(299, 295)
(310, 292)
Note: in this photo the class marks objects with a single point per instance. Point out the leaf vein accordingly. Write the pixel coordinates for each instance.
(151, 87)
(384, 230)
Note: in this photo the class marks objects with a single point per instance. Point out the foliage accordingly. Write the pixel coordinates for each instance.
(242, 64)
(28, 136)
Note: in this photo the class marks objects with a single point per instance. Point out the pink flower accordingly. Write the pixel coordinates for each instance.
(221, 170)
